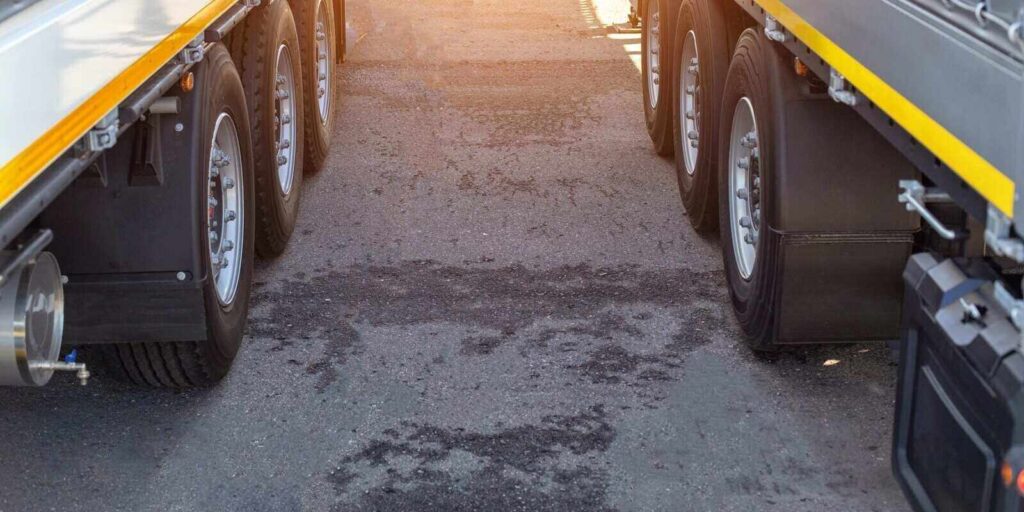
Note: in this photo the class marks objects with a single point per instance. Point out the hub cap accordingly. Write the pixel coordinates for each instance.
(653, 51)
(225, 208)
(689, 101)
(284, 128)
(324, 59)
(744, 187)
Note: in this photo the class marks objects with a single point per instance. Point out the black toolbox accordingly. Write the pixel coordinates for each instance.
(957, 443)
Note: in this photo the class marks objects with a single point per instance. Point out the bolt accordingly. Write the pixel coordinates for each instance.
(656, 80)
(230, 216)
(743, 163)
(285, 144)
(692, 70)
(745, 222)
(689, 114)
(281, 80)
(742, 194)
(322, 56)
(179, 127)
(63, 279)
(213, 237)
(692, 135)
(228, 246)
(229, 183)
(750, 238)
(212, 202)
(749, 140)
(655, 69)
(693, 144)
(282, 94)
(286, 119)
(320, 91)
(281, 160)
(690, 89)
(181, 276)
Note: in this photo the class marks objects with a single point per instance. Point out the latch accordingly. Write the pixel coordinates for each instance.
(103, 135)
(916, 197)
(194, 52)
(839, 89)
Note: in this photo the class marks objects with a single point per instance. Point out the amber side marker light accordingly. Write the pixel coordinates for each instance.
(1006, 472)
(188, 81)
(799, 67)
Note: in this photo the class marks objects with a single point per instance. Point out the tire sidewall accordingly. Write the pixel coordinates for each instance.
(284, 31)
(224, 93)
(658, 116)
(318, 133)
(754, 298)
(708, 23)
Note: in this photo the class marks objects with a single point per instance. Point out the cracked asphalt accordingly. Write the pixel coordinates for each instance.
(493, 301)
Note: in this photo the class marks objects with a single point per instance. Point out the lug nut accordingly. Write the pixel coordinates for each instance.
(743, 163)
(229, 183)
(281, 160)
(742, 194)
(230, 215)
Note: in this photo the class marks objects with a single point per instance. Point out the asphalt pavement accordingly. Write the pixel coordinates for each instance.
(493, 302)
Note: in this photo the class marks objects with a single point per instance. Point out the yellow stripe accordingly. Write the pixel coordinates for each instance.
(992, 184)
(31, 161)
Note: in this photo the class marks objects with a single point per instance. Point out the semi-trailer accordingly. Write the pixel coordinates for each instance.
(149, 150)
(861, 162)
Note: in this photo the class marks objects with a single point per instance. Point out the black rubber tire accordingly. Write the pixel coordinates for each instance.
(707, 20)
(186, 364)
(254, 46)
(317, 132)
(754, 300)
(659, 116)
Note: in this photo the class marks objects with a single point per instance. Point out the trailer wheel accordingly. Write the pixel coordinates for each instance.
(655, 43)
(749, 248)
(317, 24)
(266, 49)
(701, 51)
(225, 213)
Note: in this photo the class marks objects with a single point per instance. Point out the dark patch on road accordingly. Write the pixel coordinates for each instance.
(517, 468)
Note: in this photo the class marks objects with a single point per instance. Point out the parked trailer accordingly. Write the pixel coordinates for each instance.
(861, 162)
(149, 149)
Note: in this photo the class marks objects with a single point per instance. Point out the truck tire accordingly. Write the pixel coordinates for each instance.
(749, 248)
(226, 160)
(701, 51)
(266, 50)
(657, 72)
(317, 24)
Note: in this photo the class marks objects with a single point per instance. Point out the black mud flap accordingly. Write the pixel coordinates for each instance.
(957, 444)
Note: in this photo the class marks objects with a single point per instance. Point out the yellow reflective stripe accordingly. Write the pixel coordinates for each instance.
(31, 161)
(992, 184)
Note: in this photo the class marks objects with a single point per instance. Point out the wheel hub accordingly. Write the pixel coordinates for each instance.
(744, 187)
(284, 128)
(689, 101)
(324, 60)
(653, 51)
(224, 199)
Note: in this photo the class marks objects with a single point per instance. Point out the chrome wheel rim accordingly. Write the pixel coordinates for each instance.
(744, 187)
(689, 101)
(225, 208)
(324, 59)
(653, 51)
(284, 128)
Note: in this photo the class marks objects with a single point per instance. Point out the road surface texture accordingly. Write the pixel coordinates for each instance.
(493, 302)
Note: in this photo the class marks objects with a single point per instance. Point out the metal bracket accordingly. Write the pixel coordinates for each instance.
(999, 236)
(104, 135)
(916, 196)
(839, 89)
(1014, 307)
(194, 52)
(773, 30)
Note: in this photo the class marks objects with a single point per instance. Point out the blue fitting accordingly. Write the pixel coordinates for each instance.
(72, 356)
